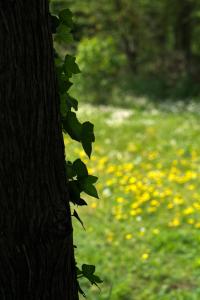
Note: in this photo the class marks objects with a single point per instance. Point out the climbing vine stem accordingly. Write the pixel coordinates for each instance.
(78, 179)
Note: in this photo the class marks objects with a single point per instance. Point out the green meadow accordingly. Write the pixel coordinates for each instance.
(143, 234)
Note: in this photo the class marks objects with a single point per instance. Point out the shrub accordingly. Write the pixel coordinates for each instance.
(100, 64)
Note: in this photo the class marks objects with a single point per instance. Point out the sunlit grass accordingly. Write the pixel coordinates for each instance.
(143, 235)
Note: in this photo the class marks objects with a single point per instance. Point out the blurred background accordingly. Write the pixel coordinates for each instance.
(140, 86)
(138, 47)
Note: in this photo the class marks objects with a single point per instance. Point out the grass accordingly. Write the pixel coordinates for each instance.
(143, 234)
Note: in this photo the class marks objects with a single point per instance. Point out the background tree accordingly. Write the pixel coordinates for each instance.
(159, 40)
(36, 244)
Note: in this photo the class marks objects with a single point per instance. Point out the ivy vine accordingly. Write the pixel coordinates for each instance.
(79, 180)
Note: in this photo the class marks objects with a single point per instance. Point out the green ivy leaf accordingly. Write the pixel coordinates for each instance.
(66, 17)
(75, 214)
(58, 61)
(72, 126)
(80, 132)
(90, 179)
(71, 103)
(80, 290)
(63, 83)
(88, 272)
(63, 105)
(69, 170)
(63, 34)
(67, 103)
(88, 269)
(74, 191)
(54, 23)
(78, 271)
(87, 137)
(80, 202)
(97, 279)
(70, 66)
(80, 168)
(90, 190)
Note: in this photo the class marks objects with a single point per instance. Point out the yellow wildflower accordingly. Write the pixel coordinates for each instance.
(190, 221)
(120, 200)
(170, 205)
(111, 169)
(110, 237)
(145, 256)
(197, 225)
(174, 223)
(128, 236)
(154, 203)
(151, 209)
(191, 187)
(189, 210)
(93, 205)
(132, 180)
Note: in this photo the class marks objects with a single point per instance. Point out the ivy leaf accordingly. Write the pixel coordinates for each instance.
(91, 179)
(70, 66)
(78, 271)
(87, 137)
(75, 214)
(80, 202)
(80, 290)
(69, 170)
(88, 272)
(88, 269)
(67, 103)
(63, 34)
(63, 105)
(80, 168)
(63, 83)
(57, 59)
(71, 103)
(89, 189)
(74, 191)
(54, 23)
(65, 17)
(86, 185)
(72, 126)
(97, 279)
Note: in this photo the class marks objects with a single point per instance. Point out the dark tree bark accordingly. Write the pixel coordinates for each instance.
(36, 245)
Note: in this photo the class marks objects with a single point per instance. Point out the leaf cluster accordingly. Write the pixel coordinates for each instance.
(78, 179)
(65, 69)
(88, 272)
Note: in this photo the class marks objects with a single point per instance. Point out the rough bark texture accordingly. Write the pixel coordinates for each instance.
(36, 245)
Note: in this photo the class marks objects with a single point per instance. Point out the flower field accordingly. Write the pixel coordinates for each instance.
(143, 234)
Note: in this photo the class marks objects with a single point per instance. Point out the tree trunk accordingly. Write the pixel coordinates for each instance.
(36, 245)
(128, 39)
(183, 31)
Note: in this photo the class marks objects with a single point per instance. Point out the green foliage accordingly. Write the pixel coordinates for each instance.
(158, 39)
(87, 137)
(87, 271)
(77, 174)
(66, 18)
(100, 62)
(70, 66)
